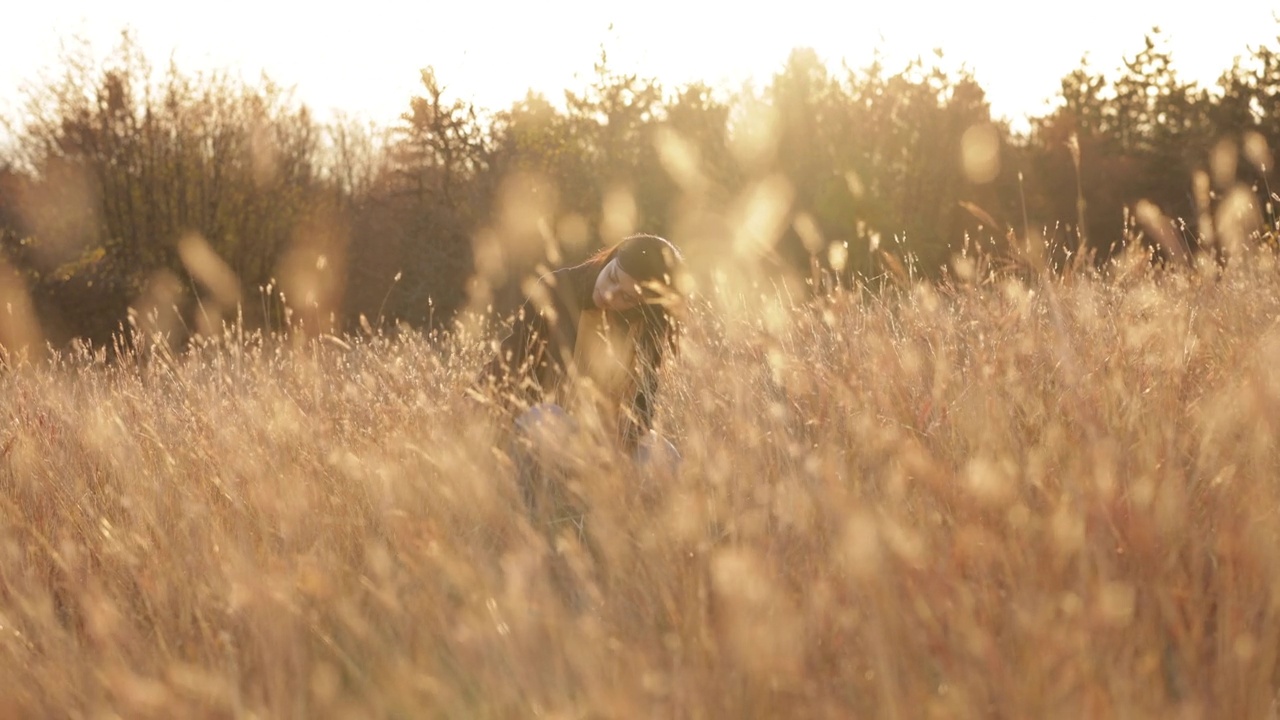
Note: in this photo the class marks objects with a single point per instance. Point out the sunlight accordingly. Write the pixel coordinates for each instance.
(366, 63)
(883, 410)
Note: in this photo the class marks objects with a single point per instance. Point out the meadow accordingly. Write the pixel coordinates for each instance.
(1011, 495)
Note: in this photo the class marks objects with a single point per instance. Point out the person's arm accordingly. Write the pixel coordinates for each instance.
(520, 360)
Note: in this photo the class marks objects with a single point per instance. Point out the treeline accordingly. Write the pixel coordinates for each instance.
(171, 201)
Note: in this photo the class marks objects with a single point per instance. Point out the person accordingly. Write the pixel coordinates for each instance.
(585, 350)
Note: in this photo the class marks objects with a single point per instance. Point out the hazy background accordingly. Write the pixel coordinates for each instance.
(364, 58)
(402, 164)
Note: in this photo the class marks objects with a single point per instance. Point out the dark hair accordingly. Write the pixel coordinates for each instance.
(654, 261)
(649, 258)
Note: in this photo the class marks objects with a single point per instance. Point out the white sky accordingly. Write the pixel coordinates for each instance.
(364, 57)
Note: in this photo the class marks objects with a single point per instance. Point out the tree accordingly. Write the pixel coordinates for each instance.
(121, 168)
(412, 250)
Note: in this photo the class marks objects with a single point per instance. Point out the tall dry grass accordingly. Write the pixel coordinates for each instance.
(1018, 498)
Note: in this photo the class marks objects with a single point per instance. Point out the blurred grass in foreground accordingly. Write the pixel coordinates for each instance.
(1042, 498)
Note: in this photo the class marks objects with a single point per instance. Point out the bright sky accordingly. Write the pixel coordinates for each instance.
(364, 57)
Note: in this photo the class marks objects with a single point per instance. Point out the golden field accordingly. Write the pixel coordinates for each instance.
(1018, 496)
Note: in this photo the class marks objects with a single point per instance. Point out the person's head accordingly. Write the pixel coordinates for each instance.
(640, 270)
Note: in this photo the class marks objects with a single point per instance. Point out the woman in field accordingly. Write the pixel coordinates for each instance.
(585, 350)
